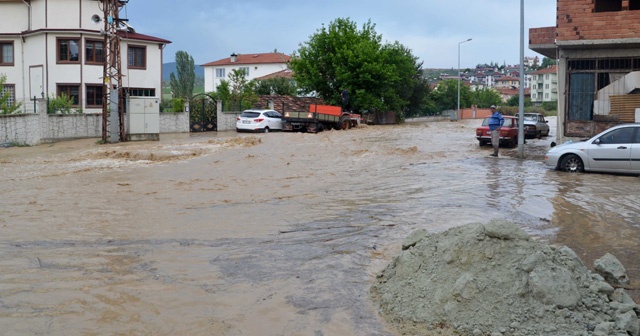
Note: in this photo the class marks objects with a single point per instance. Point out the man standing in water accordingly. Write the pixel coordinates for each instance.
(495, 123)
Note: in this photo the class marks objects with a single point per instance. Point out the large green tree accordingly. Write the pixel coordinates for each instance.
(278, 86)
(547, 62)
(238, 92)
(485, 97)
(341, 56)
(445, 95)
(182, 84)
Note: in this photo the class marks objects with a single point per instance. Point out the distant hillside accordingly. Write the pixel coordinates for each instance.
(168, 68)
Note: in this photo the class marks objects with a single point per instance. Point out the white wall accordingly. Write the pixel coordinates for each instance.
(255, 71)
(14, 17)
(149, 78)
(38, 128)
(36, 57)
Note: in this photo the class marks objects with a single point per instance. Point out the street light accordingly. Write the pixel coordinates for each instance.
(458, 111)
(521, 102)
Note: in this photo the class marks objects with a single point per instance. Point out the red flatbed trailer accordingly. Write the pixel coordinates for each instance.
(319, 118)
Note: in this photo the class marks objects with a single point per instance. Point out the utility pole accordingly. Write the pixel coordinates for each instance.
(113, 128)
(522, 81)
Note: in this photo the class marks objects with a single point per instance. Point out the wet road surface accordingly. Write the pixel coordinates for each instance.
(268, 234)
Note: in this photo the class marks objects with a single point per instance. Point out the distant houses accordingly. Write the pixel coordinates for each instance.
(254, 65)
(539, 85)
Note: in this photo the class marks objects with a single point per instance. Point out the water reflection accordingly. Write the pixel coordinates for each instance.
(596, 214)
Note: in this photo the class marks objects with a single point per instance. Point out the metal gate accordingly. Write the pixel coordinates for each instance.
(203, 113)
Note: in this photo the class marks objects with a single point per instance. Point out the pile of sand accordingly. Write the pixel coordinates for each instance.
(495, 280)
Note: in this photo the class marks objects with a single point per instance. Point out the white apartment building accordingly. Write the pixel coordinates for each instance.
(50, 47)
(544, 86)
(254, 65)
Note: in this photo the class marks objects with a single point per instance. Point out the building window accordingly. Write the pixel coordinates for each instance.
(6, 53)
(220, 73)
(141, 92)
(608, 6)
(68, 50)
(246, 71)
(94, 52)
(137, 57)
(71, 91)
(546, 86)
(10, 92)
(94, 95)
(634, 4)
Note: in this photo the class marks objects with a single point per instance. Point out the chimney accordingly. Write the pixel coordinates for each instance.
(234, 57)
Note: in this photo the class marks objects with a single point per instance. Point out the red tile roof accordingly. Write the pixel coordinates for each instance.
(551, 69)
(142, 37)
(507, 78)
(265, 58)
(512, 92)
(282, 73)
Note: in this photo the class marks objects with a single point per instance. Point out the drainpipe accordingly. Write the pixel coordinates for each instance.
(28, 5)
(22, 39)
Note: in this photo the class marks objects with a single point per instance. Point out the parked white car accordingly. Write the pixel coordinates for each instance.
(616, 150)
(259, 121)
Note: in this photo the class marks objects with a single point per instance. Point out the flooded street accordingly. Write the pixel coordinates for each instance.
(268, 234)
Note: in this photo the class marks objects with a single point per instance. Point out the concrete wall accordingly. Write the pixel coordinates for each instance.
(174, 122)
(38, 128)
(21, 129)
(479, 113)
(226, 120)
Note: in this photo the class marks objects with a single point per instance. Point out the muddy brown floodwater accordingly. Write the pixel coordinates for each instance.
(268, 234)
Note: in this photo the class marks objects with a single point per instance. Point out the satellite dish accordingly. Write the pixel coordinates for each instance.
(96, 19)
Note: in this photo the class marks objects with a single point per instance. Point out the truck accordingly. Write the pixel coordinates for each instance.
(319, 118)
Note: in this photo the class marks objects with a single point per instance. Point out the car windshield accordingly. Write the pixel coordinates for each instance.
(250, 114)
(528, 117)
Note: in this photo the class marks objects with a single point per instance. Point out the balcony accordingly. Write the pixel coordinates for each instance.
(543, 41)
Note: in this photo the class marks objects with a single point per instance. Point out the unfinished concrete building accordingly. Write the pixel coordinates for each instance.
(597, 47)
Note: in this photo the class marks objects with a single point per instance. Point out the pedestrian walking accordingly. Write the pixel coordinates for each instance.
(495, 123)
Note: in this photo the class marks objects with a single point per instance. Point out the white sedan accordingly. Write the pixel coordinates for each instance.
(259, 121)
(616, 150)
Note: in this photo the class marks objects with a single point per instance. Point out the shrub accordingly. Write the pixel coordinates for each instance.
(60, 105)
(5, 106)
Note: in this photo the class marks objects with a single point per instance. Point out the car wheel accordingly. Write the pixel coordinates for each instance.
(572, 164)
(539, 135)
(345, 123)
(482, 143)
(266, 130)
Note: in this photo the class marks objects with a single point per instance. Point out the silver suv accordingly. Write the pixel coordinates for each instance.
(535, 126)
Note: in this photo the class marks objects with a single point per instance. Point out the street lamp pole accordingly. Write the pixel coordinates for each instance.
(522, 79)
(458, 111)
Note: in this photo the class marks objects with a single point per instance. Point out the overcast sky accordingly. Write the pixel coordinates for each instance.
(210, 30)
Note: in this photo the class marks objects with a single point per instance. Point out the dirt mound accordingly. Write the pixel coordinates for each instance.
(494, 280)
